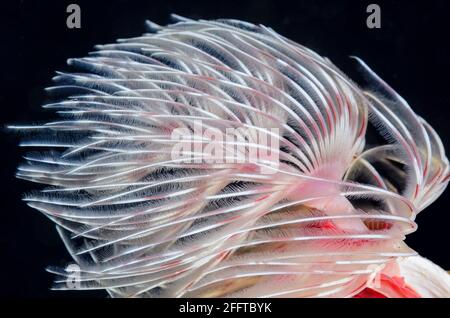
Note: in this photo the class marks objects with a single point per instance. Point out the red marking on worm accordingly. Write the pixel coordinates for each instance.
(327, 225)
(395, 283)
(262, 198)
(363, 127)
(417, 191)
(223, 255)
(447, 177)
(369, 293)
(230, 219)
(328, 119)
(425, 170)
(171, 264)
(249, 168)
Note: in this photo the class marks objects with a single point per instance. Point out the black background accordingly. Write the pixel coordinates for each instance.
(411, 52)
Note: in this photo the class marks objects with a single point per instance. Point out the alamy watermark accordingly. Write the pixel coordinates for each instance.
(200, 144)
(73, 20)
(374, 19)
(73, 276)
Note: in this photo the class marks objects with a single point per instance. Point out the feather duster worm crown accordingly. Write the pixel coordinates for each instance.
(326, 217)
